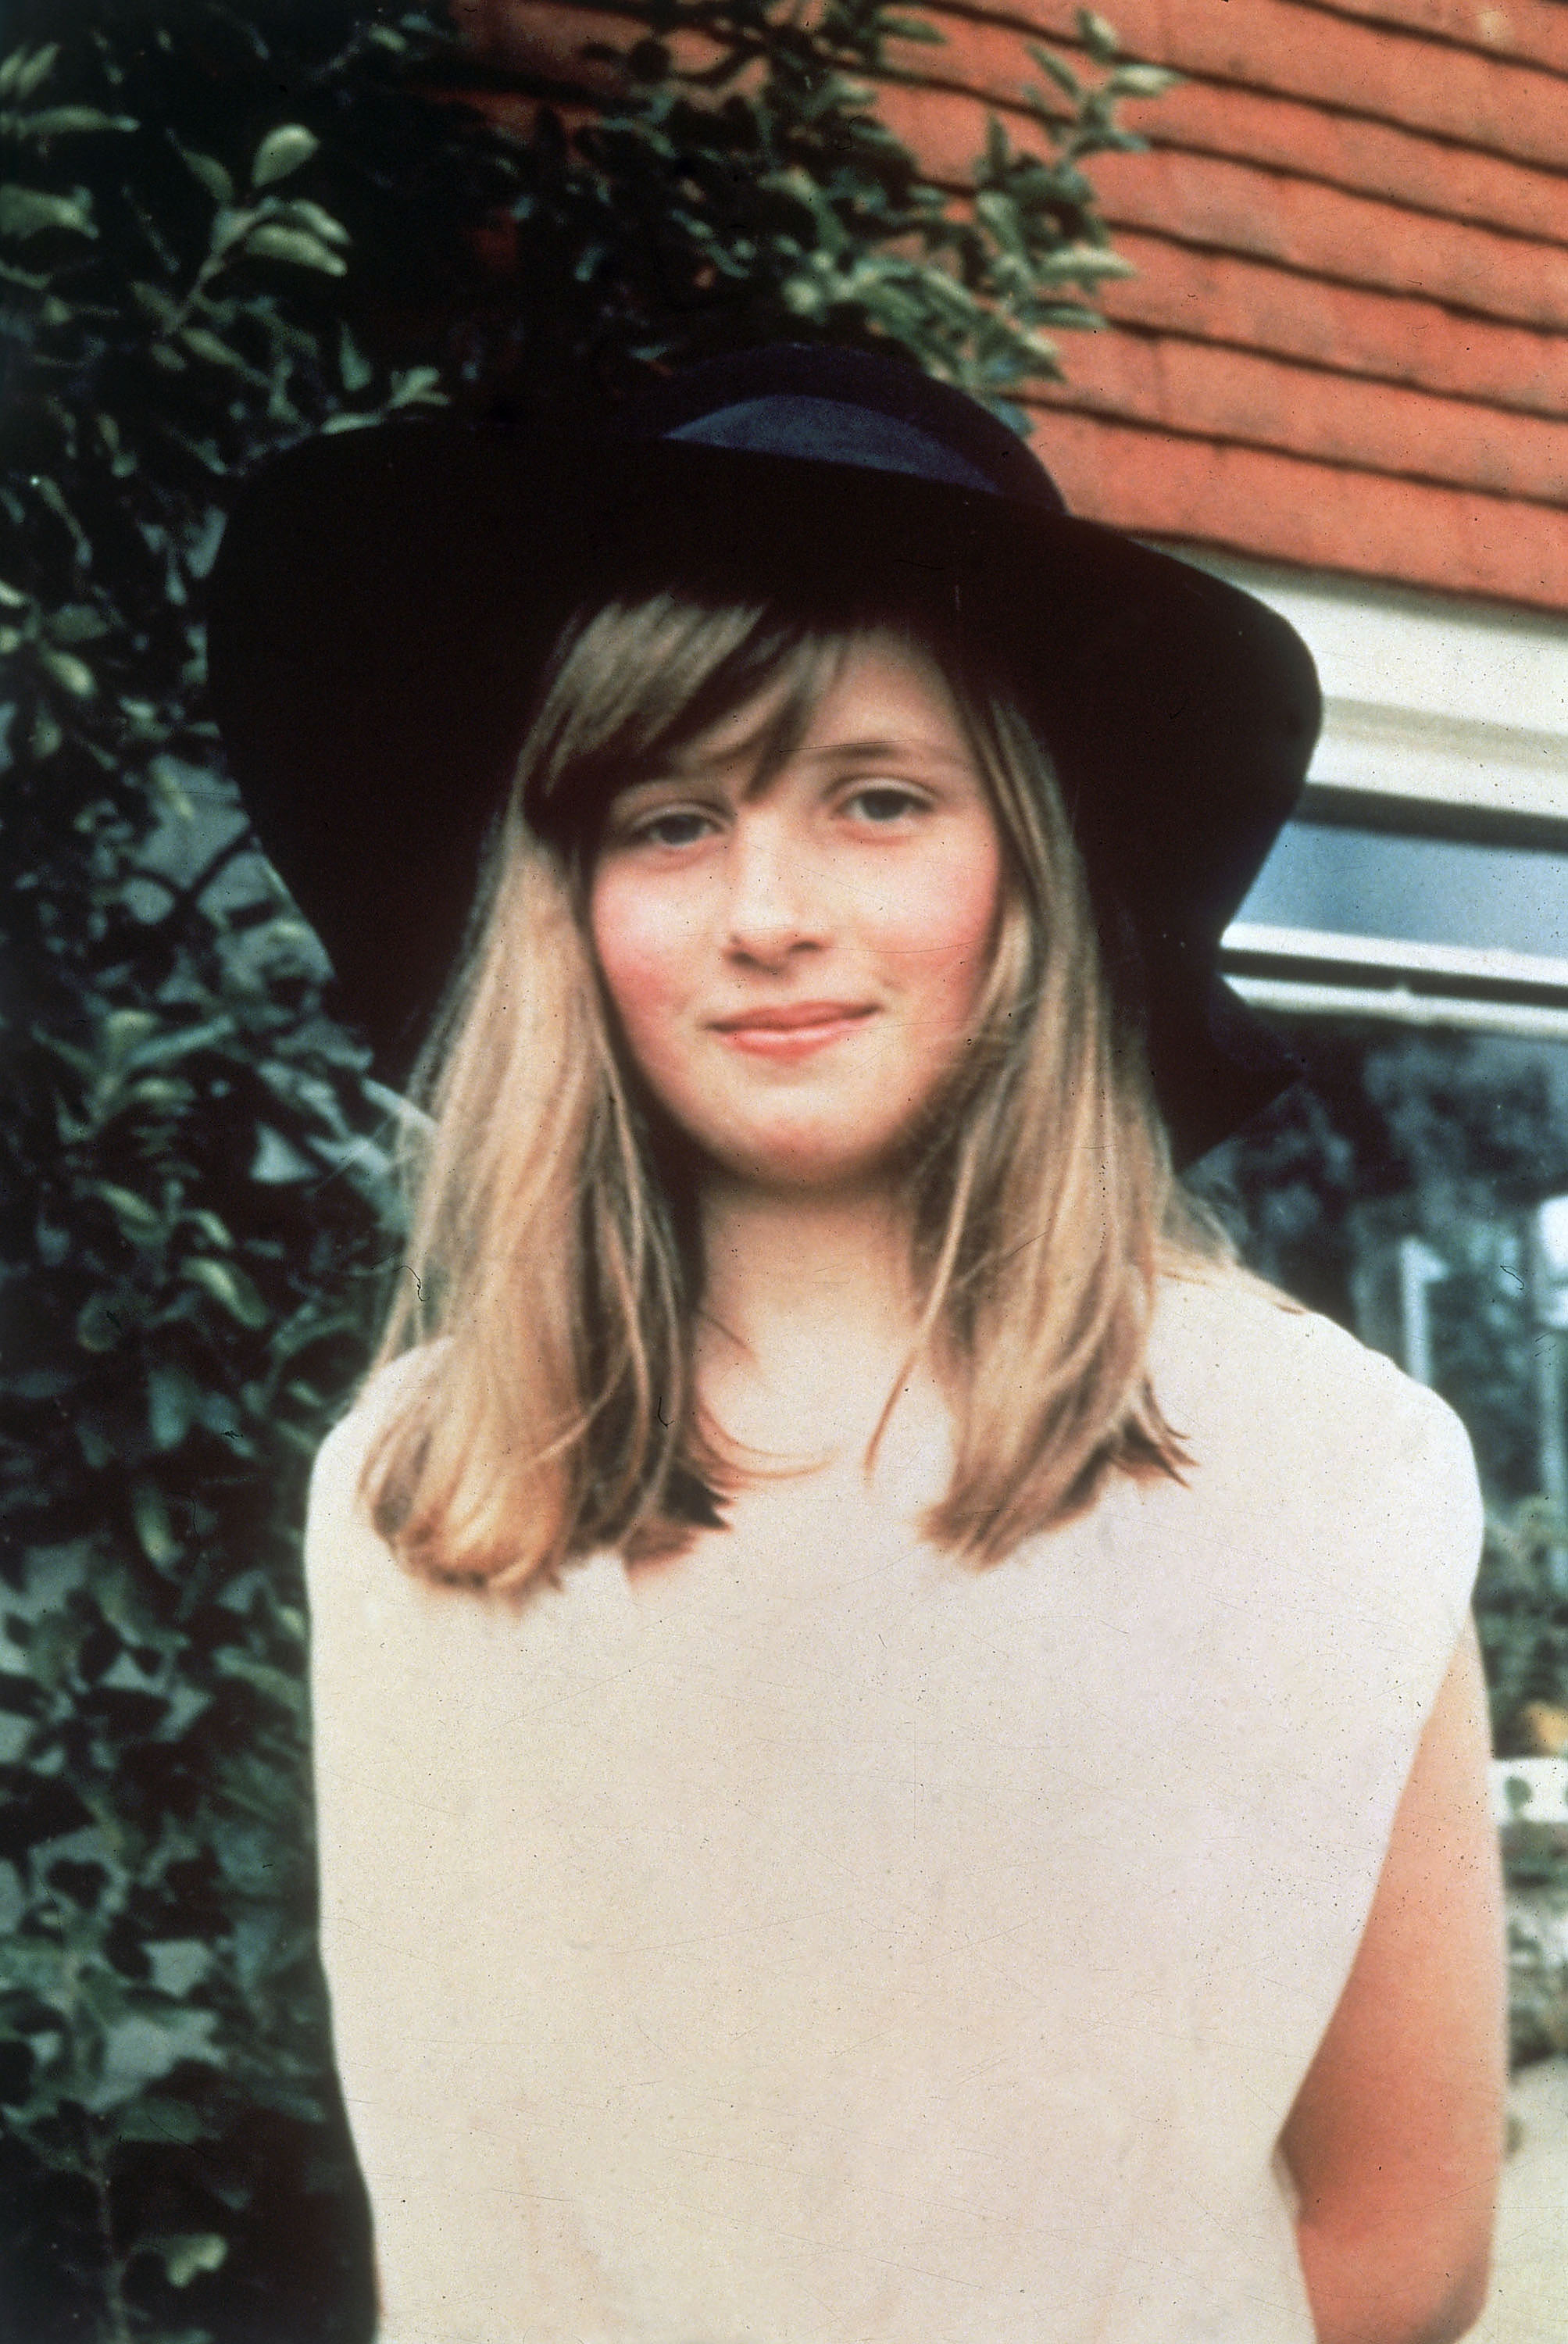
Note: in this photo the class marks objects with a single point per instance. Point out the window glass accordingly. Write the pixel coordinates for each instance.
(1352, 882)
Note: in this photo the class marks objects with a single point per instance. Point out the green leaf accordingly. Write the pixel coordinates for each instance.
(228, 227)
(11, 598)
(174, 1400)
(140, 2050)
(1000, 214)
(139, 1220)
(300, 212)
(59, 121)
(213, 1230)
(208, 169)
(179, 1963)
(277, 1161)
(29, 211)
(417, 386)
(1062, 76)
(154, 1532)
(23, 70)
(123, 1029)
(287, 1692)
(160, 306)
(295, 244)
(49, 492)
(1082, 264)
(72, 675)
(1142, 81)
(186, 2253)
(101, 1322)
(281, 151)
(228, 1287)
(75, 623)
(1101, 40)
(353, 366)
(152, 2118)
(184, 1041)
(201, 344)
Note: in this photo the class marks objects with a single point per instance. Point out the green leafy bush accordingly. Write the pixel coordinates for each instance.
(1435, 1135)
(1522, 1605)
(223, 226)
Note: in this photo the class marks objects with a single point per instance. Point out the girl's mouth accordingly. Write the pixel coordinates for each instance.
(793, 1029)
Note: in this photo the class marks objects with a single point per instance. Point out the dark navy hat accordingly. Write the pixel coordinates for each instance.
(385, 602)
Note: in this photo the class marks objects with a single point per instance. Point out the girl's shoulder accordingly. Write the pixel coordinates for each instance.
(388, 1389)
(1221, 1331)
(1289, 1405)
(342, 1546)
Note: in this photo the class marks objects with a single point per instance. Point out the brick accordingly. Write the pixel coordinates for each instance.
(1534, 31)
(1350, 65)
(1397, 166)
(1268, 216)
(1354, 240)
(538, 37)
(1248, 305)
(1228, 394)
(989, 61)
(1277, 508)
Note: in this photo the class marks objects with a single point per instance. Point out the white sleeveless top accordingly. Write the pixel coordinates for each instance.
(928, 1956)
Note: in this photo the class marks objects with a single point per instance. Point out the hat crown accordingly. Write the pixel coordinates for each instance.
(823, 405)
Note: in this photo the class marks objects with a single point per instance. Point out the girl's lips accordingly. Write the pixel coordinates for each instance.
(789, 1032)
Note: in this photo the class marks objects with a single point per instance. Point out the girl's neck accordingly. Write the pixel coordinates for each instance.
(808, 1315)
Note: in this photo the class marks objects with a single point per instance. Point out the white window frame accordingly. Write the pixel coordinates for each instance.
(1442, 719)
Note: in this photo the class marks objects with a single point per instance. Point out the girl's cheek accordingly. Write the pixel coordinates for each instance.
(636, 939)
(948, 918)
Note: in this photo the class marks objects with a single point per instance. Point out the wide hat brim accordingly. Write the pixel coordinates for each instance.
(385, 599)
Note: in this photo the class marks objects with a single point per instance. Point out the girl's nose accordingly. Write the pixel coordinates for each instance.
(774, 906)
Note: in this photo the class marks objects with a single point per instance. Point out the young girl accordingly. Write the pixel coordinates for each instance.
(897, 1751)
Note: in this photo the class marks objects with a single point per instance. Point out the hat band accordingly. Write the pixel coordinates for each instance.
(831, 431)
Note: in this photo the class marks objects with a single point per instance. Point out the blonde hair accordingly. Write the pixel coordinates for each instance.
(553, 1272)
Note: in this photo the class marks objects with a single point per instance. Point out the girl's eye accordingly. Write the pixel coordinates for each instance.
(678, 826)
(883, 802)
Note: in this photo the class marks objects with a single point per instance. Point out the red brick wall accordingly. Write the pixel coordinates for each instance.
(1346, 346)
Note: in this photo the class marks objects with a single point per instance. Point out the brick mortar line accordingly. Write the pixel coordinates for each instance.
(1553, 174)
(1374, 27)
(1456, 310)
(1371, 288)
(1363, 471)
(1396, 29)
(1138, 331)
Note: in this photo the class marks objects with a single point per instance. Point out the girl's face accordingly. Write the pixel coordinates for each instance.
(796, 963)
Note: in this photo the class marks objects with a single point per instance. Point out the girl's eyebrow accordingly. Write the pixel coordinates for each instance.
(931, 752)
(690, 766)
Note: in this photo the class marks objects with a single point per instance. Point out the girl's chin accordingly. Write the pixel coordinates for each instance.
(804, 1170)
